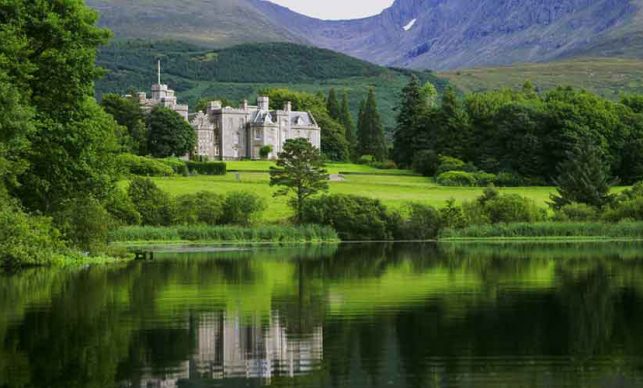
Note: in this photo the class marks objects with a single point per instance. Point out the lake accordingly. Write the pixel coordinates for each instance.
(356, 315)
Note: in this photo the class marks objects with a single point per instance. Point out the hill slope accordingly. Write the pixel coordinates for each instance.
(436, 34)
(239, 72)
(607, 77)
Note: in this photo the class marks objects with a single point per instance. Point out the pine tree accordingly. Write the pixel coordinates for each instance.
(370, 133)
(346, 119)
(453, 132)
(410, 110)
(332, 105)
(583, 177)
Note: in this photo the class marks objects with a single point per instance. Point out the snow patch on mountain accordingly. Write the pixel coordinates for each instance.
(409, 25)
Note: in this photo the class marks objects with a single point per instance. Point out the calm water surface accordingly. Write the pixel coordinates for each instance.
(377, 315)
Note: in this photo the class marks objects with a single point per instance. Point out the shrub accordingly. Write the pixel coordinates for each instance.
(85, 223)
(154, 206)
(177, 165)
(26, 240)
(241, 208)
(385, 165)
(200, 208)
(452, 216)
(424, 223)
(508, 179)
(426, 162)
(353, 217)
(365, 159)
(265, 151)
(484, 178)
(631, 209)
(122, 209)
(207, 168)
(493, 207)
(141, 165)
(448, 163)
(456, 178)
(576, 212)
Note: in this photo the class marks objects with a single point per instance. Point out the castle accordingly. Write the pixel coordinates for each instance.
(227, 133)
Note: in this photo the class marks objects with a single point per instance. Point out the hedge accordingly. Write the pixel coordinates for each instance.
(207, 168)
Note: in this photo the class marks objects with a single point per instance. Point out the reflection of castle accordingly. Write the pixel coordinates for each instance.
(228, 347)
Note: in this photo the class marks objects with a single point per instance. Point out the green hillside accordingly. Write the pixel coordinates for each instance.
(239, 72)
(609, 77)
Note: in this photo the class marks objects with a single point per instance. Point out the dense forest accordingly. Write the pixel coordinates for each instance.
(525, 134)
(237, 73)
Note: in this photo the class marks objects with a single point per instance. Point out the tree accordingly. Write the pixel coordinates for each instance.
(169, 134)
(346, 119)
(332, 105)
(583, 177)
(300, 170)
(127, 112)
(154, 205)
(333, 140)
(370, 132)
(411, 109)
(453, 132)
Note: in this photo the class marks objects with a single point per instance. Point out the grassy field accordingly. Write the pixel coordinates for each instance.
(609, 77)
(393, 190)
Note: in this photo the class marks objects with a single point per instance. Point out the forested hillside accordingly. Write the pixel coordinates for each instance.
(239, 72)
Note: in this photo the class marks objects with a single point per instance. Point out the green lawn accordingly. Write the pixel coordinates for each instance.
(394, 191)
(333, 168)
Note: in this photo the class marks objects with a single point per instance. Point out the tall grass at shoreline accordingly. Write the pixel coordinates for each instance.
(622, 230)
(226, 234)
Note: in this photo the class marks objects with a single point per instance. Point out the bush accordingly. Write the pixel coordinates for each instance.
(631, 209)
(385, 165)
(207, 168)
(452, 216)
(85, 224)
(366, 159)
(265, 151)
(426, 162)
(26, 240)
(576, 212)
(484, 178)
(456, 178)
(177, 165)
(447, 163)
(353, 217)
(200, 208)
(141, 165)
(493, 207)
(154, 206)
(508, 179)
(241, 208)
(424, 223)
(122, 209)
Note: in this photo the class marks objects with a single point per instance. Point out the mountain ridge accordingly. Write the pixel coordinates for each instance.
(417, 34)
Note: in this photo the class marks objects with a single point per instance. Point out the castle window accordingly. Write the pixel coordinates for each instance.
(258, 134)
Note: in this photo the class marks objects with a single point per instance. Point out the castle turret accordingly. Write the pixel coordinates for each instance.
(263, 103)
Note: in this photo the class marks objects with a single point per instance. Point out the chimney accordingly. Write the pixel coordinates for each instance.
(213, 105)
(244, 105)
(288, 106)
(264, 103)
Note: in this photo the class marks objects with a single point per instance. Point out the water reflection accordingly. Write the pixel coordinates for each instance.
(356, 315)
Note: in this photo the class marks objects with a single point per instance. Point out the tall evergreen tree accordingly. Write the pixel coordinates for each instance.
(346, 119)
(332, 105)
(583, 177)
(411, 108)
(453, 132)
(370, 132)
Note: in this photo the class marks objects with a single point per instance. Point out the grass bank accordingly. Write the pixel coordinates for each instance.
(225, 234)
(547, 231)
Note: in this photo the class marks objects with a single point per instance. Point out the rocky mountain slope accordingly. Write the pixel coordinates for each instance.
(436, 34)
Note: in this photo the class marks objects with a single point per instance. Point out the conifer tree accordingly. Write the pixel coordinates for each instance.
(370, 132)
(583, 177)
(332, 105)
(346, 120)
(411, 108)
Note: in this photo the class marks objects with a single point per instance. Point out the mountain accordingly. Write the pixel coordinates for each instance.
(420, 34)
(239, 72)
(214, 23)
(608, 77)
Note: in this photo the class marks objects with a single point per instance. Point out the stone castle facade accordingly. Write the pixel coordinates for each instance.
(227, 133)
